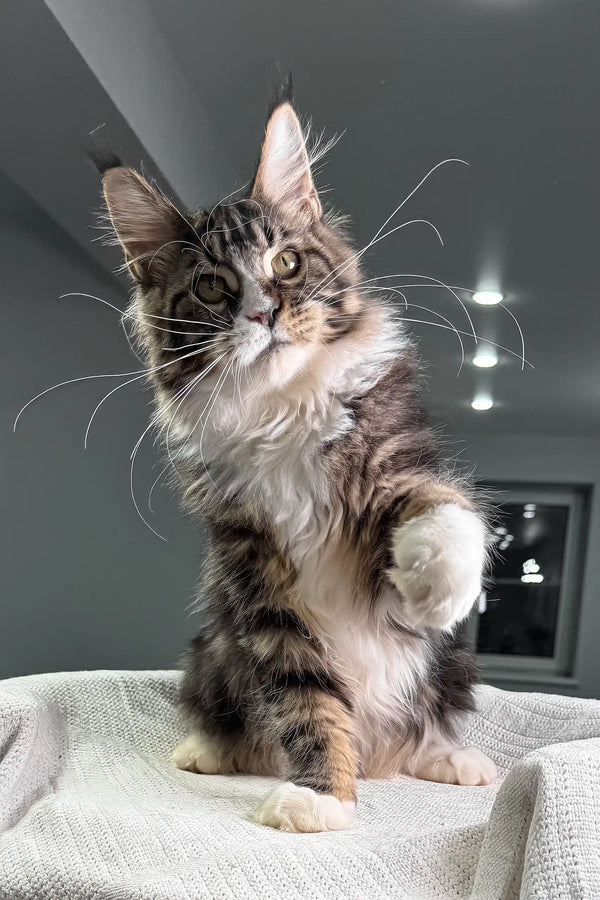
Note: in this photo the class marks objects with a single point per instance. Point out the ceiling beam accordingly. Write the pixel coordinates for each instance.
(54, 97)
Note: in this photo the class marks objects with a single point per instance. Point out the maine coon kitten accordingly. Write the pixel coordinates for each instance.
(342, 555)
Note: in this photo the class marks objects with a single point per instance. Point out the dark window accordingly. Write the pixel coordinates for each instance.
(520, 610)
(526, 618)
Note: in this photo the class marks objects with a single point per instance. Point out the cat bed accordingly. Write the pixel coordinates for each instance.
(91, 807)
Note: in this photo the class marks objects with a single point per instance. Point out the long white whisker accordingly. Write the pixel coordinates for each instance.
(104, 375)
(194, 382)
(154, 485)
(443, 162)
(468, 334)
(356, 256)
(131, 487)
(132, 314)
(135, 450)
(106, 396)
(208, 343)
(437, 283)
(130, 342)
(433, 313)
(514, 318)
(377, 234)
(124, 384)
(218, 389)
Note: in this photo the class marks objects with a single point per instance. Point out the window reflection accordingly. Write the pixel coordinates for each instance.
(519, 612)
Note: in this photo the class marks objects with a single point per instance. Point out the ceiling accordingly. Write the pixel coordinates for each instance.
(511, 86)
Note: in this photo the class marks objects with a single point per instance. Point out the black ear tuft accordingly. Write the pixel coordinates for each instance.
(103, 159)
(282, 93)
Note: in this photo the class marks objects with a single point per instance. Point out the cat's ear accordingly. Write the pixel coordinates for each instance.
(283, 176)
(146, 224)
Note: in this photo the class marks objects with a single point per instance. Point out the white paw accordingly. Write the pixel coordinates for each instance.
(458, 765)
(197, 754)
(439, 558)
(300, 809)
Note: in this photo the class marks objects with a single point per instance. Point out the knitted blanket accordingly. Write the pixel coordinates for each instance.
(91, 807)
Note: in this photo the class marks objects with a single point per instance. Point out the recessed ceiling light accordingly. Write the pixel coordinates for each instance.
(488, 298)
(485, 359)
(481, 403)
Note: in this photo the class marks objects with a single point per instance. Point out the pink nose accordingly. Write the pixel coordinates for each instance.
(263, 317)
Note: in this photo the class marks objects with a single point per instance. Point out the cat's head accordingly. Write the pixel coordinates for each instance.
(265, 283)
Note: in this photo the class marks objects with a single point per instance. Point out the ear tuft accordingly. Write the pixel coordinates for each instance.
(284, 176)
(144, 221)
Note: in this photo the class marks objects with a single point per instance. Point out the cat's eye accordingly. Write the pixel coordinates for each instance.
(286, 263)
(212, 288)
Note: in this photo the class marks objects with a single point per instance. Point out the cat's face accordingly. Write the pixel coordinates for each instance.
(263, 284)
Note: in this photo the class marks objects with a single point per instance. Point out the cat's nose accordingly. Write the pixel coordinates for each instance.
(265, 315)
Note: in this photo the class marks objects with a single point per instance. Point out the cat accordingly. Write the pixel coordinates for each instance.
(342, 555)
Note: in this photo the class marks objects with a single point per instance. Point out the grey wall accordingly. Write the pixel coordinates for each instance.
(84, 584)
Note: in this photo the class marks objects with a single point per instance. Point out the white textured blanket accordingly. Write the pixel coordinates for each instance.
(90, 807)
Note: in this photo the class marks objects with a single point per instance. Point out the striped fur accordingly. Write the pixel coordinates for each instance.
(342, 555)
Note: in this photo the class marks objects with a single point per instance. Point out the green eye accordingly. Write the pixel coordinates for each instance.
(211, 288)
(286, 263)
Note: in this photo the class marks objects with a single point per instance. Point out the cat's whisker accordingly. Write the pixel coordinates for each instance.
(377, 234)
(438, 165)
(216, 340)
(468, 334)
(216, 392)
(181, 394)
(514, 318)
(375, 240)
(106, 397)
(155, 485)
(129, 340)
(431, 278)
(131, 486)
(127, 313)
(139, 441)
(192, 385)
(452, 287)
(140, 372)
(435, 313)
(131, 381)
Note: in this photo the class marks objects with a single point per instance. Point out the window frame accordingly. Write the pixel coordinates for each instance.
(561, 663)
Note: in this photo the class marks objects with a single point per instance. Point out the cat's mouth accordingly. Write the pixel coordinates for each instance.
(276, 343)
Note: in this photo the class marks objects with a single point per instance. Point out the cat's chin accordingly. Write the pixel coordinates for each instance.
(277, 363)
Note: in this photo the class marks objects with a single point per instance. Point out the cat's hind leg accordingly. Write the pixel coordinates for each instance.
(450, 764)
(208, 755)
(199, 753)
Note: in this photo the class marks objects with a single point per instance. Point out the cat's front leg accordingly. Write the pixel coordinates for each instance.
(312, 718)
(439, 553)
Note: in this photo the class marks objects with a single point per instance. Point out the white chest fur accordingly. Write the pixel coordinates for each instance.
(381, 667)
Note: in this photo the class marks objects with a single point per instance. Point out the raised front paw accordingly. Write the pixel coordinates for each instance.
(439, 557)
